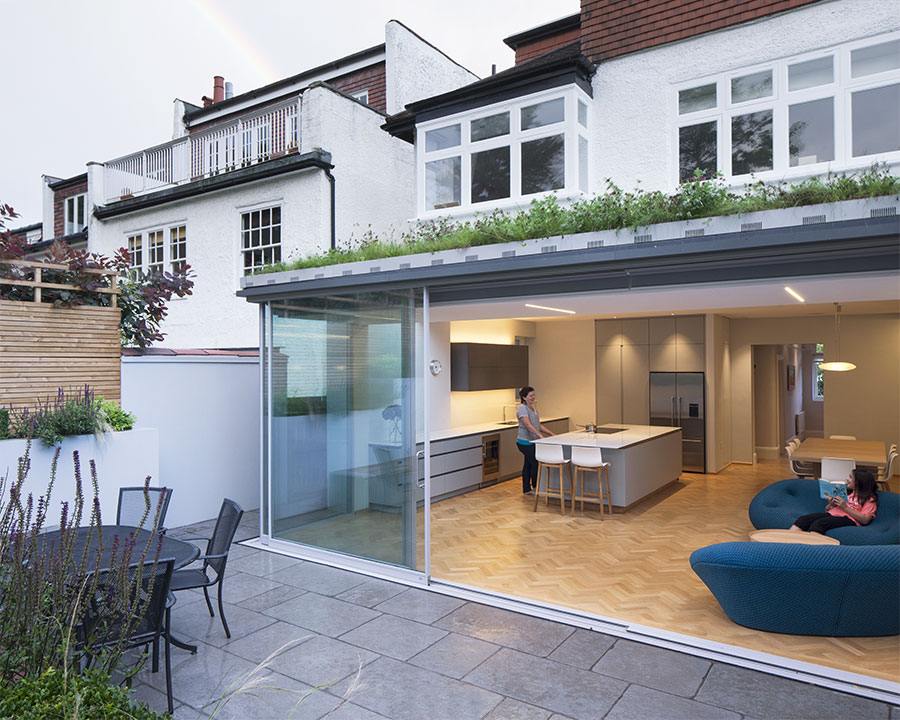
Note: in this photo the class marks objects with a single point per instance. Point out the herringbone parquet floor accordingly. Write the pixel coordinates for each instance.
(632, 567)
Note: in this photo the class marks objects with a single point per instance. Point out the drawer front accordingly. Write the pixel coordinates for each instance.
(451, 462)
(452, 482)
(453, 444)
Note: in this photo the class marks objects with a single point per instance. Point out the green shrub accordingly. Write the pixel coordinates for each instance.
(4, 424)
(55, 696)
(117, 418)
(613, 210)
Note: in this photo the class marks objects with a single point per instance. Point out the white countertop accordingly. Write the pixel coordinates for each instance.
(482, 428)
(631, 435)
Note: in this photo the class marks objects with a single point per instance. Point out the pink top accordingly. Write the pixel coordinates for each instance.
(868, 509)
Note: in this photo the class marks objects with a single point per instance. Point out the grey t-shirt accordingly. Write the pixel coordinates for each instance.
(525, 435)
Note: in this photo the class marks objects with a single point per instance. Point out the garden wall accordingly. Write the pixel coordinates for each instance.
(43, 348)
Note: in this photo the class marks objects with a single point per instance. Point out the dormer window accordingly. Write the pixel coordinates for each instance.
(504, 153)
(75, 214)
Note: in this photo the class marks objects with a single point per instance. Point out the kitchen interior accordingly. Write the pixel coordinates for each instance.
(697, 370)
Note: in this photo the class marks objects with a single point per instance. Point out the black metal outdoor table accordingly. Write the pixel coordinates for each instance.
(88, 538)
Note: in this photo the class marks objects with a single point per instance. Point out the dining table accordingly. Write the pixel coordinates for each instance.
(866, 453)
(114, 539)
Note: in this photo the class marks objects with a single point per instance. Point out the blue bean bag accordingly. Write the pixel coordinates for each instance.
(831, 590)
(778, 505)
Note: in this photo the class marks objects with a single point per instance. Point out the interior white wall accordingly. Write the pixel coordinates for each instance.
(718, 384)
(439, 385)
(792, 400)
(863, 402)
(467, 408)
(563, 368)
(765, 401)
(207, 412)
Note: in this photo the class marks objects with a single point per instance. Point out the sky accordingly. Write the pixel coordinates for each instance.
(91, 80)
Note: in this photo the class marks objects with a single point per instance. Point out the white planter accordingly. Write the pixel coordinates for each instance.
(122, 459)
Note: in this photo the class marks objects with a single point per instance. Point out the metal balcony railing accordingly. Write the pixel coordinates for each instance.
(250, 139)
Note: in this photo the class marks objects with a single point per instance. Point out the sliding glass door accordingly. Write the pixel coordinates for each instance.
(344, 400)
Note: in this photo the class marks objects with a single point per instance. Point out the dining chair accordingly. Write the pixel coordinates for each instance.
(842, 437)
(801, 469)
(836, 469)
(590, 459)
(102, 625)
(133, 507)
(885, 472)
(214, 559)
(551, 456)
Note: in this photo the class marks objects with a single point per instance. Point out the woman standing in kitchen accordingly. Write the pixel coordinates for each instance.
(530, 429)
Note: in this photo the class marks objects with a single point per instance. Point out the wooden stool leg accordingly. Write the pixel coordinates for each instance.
(562, 491)
(537, 487)
(608, 494)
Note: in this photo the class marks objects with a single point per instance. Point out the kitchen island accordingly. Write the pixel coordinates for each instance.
(643, 458)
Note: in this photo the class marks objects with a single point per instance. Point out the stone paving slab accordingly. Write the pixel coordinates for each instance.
(557, 687)
(451, 659)
(654, 667)
(520, 632)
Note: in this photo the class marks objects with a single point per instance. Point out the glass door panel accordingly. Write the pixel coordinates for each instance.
(344, 474)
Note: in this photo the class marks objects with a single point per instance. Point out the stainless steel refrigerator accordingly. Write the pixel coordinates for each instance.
(677, 399)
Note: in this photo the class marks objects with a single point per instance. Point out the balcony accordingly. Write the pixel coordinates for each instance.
(246, 141)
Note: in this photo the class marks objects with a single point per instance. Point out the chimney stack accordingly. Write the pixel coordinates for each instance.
(218, 89)
(229, 90)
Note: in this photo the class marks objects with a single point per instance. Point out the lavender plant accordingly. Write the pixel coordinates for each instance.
(47, 585)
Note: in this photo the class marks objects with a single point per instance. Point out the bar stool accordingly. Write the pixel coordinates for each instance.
(589, 459)
(551, 456)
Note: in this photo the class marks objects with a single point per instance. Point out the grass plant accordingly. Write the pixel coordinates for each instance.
(615, 209)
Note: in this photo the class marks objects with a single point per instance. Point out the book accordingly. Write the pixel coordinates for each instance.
(829, 489)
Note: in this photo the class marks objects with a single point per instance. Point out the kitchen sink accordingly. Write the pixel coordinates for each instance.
(510, 422)
(608, 430)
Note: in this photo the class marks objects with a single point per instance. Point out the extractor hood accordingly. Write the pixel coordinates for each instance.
(483, 366)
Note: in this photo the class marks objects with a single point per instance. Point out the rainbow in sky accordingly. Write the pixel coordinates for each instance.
(236, 36)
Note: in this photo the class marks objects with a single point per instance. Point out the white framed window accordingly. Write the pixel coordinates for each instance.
(818, 376)
(136, 251)
(155, 250)
(834, 109)
(260, 238)
(158, 248)
(504, 153)
(178, 247)
(74, 214)
(362, 96)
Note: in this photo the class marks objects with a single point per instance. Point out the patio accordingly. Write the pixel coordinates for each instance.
(359, 647)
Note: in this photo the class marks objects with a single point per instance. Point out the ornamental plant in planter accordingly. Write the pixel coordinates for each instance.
(79, 421)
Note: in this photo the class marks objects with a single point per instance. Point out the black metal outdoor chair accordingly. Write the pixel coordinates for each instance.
(102, 626)
(133, 505)
(214, 558)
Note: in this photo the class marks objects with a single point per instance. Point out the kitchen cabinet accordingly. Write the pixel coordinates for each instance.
(609, 383)
(510, 457)
(635, 386)
(690, 357)
(482, 366)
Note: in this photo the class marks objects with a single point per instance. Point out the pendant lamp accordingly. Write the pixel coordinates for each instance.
(837, 365)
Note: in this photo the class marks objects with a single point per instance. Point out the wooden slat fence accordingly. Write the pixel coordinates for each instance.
(44, 348)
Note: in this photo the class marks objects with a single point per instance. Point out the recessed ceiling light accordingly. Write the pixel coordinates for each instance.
(542, 307)
(793, 293)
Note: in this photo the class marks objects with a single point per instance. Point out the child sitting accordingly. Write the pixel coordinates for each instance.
(858, 509)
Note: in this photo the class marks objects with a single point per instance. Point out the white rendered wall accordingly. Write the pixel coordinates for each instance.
(122, 459)
(206, 410)
(417, 70)
(633, 136)
(374, 172)
(213, 317)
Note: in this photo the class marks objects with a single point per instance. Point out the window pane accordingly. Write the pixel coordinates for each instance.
(490, 175)
(811, 73)
(875, 59)
(697, 150)
(582, 164)
(545, 113)
(876, 120)
(811, 132)
(582, 114)
(751, 142)
(441, 138)
(751, 87)
(442, 183)
(543, 164)
(698, 98)
(488, 127)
